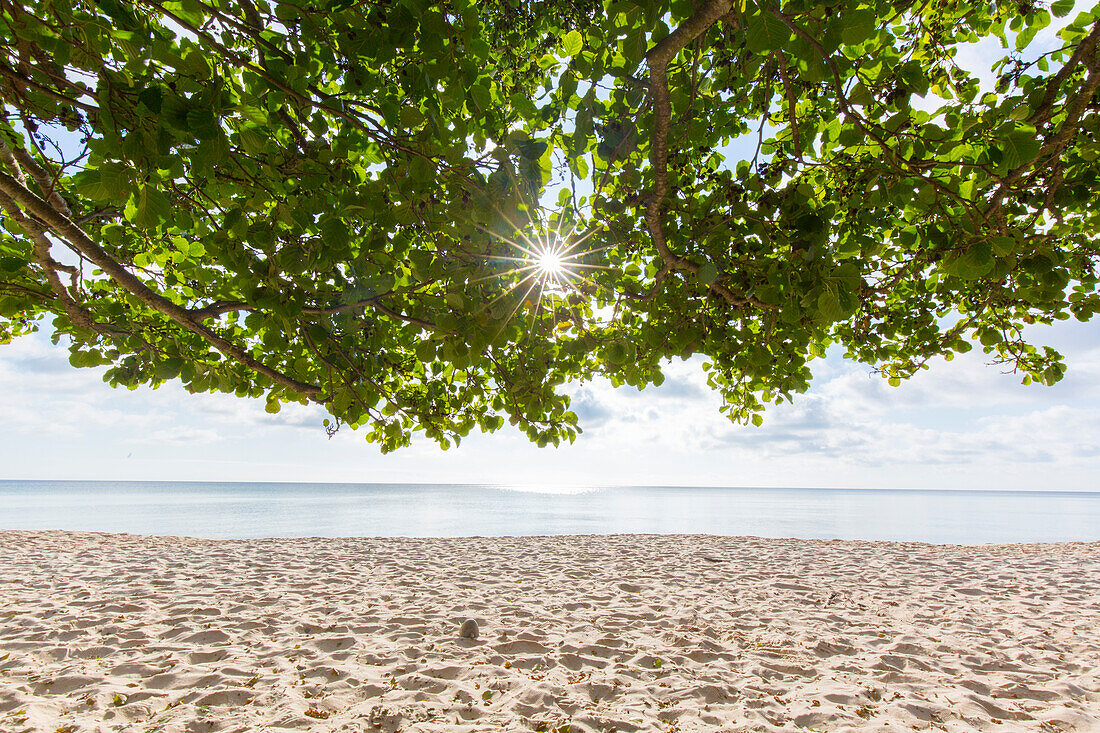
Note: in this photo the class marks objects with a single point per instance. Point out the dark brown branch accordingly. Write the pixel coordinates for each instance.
(1086, 48)
(80, 317)
(64, 228)
(658, 59)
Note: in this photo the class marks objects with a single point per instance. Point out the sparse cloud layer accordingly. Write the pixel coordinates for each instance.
(962, 424)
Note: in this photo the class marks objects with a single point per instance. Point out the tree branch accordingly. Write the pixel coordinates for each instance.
(64, 228)
(1085, 48)
(252, 28)
(80, 317)
(228, 306)
(858, 119)
(796, 138)
(426, 325)
(658, 59)
(1069, 126)
(17, 78)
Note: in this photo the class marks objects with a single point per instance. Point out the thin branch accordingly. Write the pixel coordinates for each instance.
(253, 28)
(375, 131)
(93, 215)
(789, 89)
(24, 290)
(426, 325)
(27, 83)
(228, 306)
(46, 182)
(860, 122)
(1069, 127)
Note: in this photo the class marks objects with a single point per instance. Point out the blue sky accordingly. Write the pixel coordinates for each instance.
(962, 424)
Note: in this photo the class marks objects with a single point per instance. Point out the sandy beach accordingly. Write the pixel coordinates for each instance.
(104, 632)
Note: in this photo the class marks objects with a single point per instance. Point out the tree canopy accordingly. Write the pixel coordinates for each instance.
(433, 215)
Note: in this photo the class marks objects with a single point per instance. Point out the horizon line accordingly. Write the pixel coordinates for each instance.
(576, 488)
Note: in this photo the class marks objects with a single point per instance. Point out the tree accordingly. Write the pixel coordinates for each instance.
(347, 203)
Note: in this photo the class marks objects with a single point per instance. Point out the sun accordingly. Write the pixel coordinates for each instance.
(550, 263)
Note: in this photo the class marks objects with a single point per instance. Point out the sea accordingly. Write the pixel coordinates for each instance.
(249, 510)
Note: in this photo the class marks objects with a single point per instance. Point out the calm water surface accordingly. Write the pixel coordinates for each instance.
(301, 510)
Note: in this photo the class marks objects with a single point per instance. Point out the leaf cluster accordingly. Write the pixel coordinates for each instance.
(326, 201)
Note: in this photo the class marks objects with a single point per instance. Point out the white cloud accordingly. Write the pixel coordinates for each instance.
(963, 414)
(176, 437)
(959, 424)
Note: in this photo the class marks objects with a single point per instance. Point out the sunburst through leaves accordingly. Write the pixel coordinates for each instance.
(546, 266)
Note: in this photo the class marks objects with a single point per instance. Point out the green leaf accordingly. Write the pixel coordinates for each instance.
(572, 43)
(481, 96)
(89, 182)
(1019, 147)
(1025, 36)
(708, 273)
(1004, 246)
(829, 308)
(766, 33)
(858, 26)
(975, 262)
(11, 265)
(213, 151)
(151, 97)
(203, 123)
(153, 208)
(335, 234)
(109, 182)
(412, 117)
(253, 139)
(1062, 8)
(635, 46)
(618, 352)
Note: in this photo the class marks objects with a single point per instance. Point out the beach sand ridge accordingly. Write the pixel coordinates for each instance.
(108, 632)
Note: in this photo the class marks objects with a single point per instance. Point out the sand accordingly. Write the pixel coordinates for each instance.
(104, 632)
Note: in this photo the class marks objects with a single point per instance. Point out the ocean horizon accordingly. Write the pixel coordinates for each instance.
(247, 510)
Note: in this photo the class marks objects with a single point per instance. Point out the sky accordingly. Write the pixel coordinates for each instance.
(963, 424)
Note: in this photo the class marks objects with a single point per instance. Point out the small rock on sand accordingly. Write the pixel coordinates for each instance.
(469, 629)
